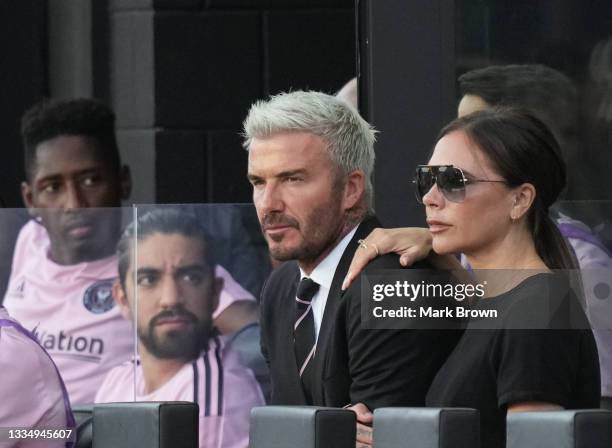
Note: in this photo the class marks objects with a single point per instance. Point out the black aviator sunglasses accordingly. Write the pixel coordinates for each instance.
(450, 181)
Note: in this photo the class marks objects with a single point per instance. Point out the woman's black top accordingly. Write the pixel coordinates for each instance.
(542, 351)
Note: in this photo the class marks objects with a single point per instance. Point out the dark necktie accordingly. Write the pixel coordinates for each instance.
(304, 330)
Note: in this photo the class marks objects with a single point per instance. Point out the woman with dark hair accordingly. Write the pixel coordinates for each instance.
(487, 189)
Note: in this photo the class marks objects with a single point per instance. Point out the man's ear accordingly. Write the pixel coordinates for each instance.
(126, 182)
(121, 300)
(354, 189)
(26, 195)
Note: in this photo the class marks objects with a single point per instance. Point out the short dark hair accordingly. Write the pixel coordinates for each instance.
(523, 150)
(517, 85)
(82, 116)
(166, 220)
(545, 92)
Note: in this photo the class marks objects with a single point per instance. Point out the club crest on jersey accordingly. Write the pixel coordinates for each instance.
(98, 297)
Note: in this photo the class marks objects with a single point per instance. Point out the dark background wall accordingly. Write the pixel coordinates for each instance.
(183, 75)
(23, 79)
(180, 75)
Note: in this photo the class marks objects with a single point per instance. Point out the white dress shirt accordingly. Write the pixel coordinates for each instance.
(323, 274)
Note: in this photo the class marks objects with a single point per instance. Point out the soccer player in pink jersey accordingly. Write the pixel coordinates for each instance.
(169, 285)
(64, 262)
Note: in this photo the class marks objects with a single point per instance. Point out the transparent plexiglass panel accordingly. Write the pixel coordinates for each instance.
(58, 269)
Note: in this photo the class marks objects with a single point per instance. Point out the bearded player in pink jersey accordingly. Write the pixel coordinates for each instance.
(168, 284)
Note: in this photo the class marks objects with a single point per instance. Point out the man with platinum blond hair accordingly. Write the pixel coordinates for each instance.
(311, 157)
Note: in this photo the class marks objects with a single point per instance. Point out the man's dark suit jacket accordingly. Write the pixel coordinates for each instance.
(352, 365)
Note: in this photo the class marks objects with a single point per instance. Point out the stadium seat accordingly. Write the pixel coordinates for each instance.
(145, 424)
(302, 427)
(83, 416)
(560, 429)
(426, 428)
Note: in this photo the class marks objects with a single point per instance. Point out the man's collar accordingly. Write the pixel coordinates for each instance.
(323, 273)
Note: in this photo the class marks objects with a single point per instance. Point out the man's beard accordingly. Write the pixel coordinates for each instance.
(177, 344)
(315, 238)
(310, 249)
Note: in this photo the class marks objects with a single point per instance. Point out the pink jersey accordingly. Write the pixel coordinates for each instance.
(30, 390)
(224, 389)
(71, 311)
(232, 291)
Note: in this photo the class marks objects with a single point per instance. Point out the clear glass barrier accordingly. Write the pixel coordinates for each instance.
(173, 287)
(57, 271)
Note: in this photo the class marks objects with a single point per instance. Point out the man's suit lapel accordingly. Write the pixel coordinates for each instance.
(333, 301)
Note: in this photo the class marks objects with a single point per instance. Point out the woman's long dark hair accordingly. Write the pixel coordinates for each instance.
(523, 150)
